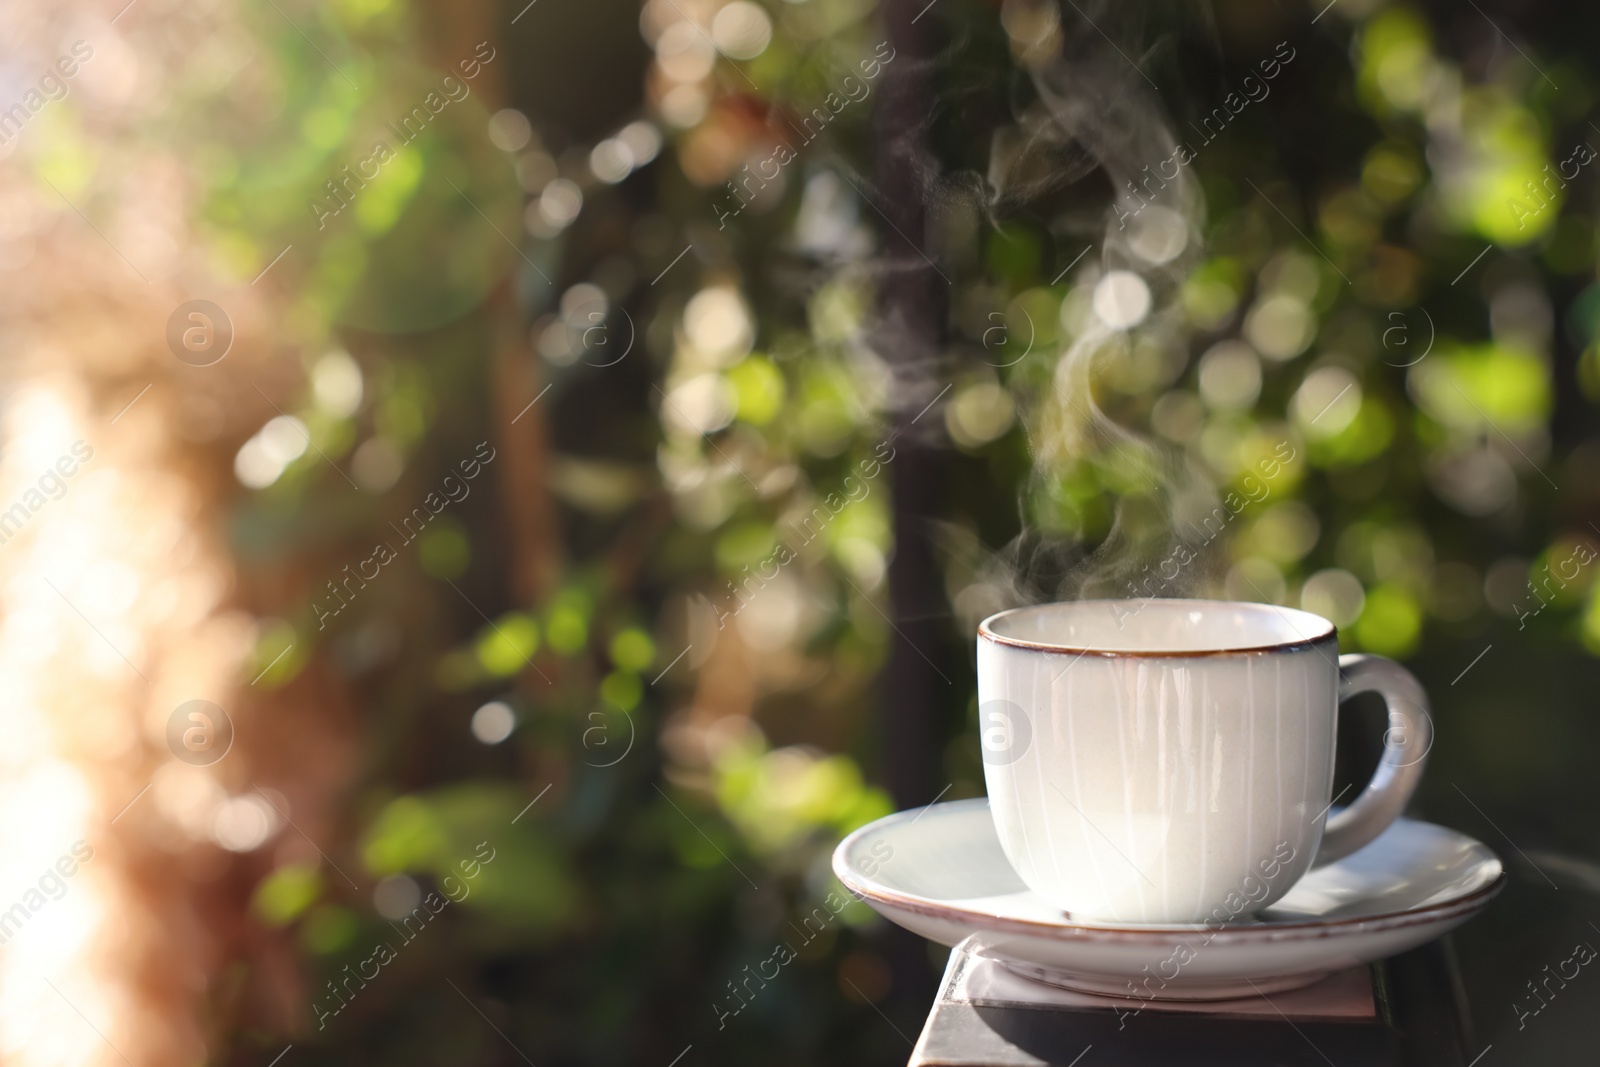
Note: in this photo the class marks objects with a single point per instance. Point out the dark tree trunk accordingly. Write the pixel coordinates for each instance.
(912, 299)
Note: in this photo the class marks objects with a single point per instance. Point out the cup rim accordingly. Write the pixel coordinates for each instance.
(1329, 633)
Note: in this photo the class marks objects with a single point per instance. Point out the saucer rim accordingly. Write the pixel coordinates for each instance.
(1071, 931)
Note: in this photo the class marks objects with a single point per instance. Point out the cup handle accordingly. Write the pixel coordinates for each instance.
(1406, 744)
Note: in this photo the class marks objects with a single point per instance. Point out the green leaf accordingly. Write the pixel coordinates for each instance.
(284, 894)
(507, 645)
(632, 649)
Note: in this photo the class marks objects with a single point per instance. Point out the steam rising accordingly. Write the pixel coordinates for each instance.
(1097, 110)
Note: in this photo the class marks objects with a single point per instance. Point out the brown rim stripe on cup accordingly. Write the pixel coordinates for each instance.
(1296, 645)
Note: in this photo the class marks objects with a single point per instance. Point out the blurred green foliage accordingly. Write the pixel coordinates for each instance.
(725, 491)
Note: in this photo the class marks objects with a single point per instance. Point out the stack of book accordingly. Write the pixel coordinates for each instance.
(1404, 1012)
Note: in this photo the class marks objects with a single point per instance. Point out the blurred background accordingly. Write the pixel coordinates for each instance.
(514, 484)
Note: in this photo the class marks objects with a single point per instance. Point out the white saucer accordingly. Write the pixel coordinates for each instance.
(939, 872)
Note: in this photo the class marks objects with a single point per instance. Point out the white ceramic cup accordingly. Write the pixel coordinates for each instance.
(1171, 761)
